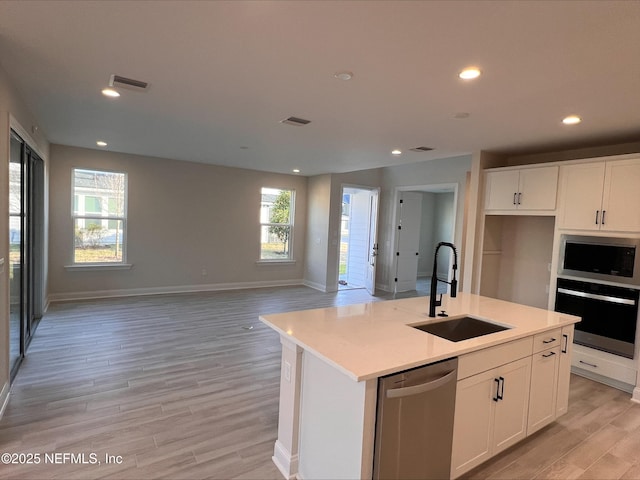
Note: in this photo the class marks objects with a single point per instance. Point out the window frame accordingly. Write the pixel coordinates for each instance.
(290, 224)
(108, 217)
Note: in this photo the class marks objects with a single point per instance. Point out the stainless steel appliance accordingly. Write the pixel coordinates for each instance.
(600, 258)
(414, 427)
(609, 314)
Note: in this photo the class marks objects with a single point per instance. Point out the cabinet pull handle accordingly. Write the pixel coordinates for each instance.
(496, 397)
(565, 347)
(519, 198)
(603, 212)
(550, 354)
(514, 197)
(549, 341)
(597, 213)
(590, 364)
(422, 388)
(501, 385)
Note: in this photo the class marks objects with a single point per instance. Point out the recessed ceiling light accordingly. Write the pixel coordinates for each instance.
(469, 73)
(101, 143)
(344, 75)
(396, 152)
(296, 170)
(110, 92)
(571, 120)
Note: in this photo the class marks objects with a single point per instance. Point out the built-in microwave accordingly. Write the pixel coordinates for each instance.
(600, 258)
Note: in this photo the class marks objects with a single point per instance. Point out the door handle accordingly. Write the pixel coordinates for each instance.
(597, 213)
(603, 212)
(565, 347)
(595, 296)
(551, 340)
(519, 198)
(496, 397)
(501, 385)
(550, 354)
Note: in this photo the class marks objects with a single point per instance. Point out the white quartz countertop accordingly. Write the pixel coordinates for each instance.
(371, 340)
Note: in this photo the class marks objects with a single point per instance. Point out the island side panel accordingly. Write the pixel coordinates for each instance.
(285, 452)
(337, 423)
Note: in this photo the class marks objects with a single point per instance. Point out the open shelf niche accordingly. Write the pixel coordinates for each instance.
(516, 258)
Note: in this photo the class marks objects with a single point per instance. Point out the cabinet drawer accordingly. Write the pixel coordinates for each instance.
(603, 367)
(546, 340)
(492, 357)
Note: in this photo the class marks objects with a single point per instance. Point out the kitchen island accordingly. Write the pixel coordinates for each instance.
(332, 359)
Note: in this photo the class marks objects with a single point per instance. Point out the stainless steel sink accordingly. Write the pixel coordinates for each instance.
(461, 328)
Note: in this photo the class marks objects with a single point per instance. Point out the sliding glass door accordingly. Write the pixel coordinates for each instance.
(26, 247)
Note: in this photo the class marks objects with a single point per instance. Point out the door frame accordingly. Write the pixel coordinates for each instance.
(34, 243)
(425, 188)
(377, 219)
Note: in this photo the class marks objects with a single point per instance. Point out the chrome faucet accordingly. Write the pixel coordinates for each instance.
(433, 303)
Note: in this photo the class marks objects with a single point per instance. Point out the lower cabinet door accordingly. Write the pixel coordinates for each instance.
(475, 400)
(564, 370)
(510, 423)
(544, 389)
(491, 414)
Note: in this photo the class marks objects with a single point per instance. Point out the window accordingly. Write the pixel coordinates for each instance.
(276, 224)
(99, 211)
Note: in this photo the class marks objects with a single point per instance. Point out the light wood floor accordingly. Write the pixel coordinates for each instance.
(186, 387)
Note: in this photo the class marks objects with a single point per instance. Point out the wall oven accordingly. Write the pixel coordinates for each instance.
(609, 314)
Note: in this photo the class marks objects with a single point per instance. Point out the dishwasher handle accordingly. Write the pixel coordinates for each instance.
(423, 387)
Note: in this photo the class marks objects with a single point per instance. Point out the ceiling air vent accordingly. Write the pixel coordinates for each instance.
(130, 83)
(421, 149)
(295, 121)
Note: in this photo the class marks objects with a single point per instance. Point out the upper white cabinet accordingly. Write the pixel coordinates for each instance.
(601, 196)
(521, 189)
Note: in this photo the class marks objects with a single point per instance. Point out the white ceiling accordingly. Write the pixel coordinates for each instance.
(223, 74)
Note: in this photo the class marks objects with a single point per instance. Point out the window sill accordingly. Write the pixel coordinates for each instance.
(99, 266)
(275, 262)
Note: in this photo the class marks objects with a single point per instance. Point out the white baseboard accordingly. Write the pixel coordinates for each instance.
(286, 463)
(625, 387)
(134, 292)
(636, 395)
(4, 398)
(315, 285)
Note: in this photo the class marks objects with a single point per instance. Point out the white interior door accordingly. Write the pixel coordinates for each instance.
(370, 282)
(408, 242)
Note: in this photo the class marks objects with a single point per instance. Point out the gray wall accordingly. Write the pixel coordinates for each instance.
(433, 172)
(443, 230)
(427, 238)
(319, 202)
(182, 218)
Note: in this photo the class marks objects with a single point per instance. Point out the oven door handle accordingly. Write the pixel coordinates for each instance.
(594, 296)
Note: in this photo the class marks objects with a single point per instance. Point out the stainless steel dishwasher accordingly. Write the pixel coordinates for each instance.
(414, 426)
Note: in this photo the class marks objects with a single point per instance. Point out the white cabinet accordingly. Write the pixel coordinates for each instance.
(491, 414)
(544, 379)
(499, 404)
(521, 189)
(564, 370)
(601, 196)
(544, 389)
